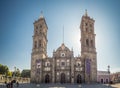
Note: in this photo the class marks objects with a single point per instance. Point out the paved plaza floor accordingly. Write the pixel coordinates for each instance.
(28, 85)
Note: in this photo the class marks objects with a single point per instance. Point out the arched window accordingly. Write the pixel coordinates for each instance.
(40, 26)
(47, 63)
(79, 63)
(62, 63)
(86, 29)
(35, 45)
(36, 27)
(40, 43)
(40, 31)
(91, 25)
(36, 32)
(87, 42)
(91, 43)
(90, 30)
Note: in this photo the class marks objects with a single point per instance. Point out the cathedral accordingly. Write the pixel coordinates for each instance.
(63, 67)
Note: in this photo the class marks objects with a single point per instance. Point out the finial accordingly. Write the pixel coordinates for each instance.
(41, 14)
(72, 49)
(86, 12)
(63, 34)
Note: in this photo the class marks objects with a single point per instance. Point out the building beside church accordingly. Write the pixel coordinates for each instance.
(115, 77)
(103, 77)
(63, 67)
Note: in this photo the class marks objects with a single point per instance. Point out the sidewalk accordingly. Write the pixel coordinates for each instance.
(117, 85)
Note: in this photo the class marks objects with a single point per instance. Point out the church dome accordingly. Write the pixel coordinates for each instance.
(63, 48)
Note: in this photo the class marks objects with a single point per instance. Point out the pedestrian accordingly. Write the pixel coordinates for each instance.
(8, 85)
(11, 84)
(17, 84)
(5, 83)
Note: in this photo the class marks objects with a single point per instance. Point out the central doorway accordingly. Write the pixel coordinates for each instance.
(47, 78)
(79, 79)
(62, 77)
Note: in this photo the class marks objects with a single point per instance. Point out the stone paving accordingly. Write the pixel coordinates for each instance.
(27, 85)
(116, 85)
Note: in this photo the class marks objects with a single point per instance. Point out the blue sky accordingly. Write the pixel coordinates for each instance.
(16, 29)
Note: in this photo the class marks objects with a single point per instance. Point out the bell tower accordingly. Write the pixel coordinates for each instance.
(39, 50)
(40, 37)
(88, 50)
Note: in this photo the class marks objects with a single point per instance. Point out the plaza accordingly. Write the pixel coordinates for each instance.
(57, 85)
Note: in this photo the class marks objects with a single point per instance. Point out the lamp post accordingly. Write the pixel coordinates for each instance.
(14, 72)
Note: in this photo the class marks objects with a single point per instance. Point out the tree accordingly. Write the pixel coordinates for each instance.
(4, 69)
(25, 73)
(9, 74)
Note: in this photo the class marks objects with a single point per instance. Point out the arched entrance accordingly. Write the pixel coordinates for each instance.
(79, 79)
(62, 77)
(101, 80)
(106, 80)
(47, 78)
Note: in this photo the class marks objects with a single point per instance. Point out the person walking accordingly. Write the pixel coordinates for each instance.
(11, 84)
(17, 84)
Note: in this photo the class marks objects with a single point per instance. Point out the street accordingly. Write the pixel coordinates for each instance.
(28, 85)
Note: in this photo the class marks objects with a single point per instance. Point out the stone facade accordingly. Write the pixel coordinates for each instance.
(103, 77)
(63, 67)
(115, 77)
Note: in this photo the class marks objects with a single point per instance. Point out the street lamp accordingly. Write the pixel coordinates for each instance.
(14, 73)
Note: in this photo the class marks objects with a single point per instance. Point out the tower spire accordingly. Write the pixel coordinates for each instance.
(41, 14)
(86, 12)
(63, 34)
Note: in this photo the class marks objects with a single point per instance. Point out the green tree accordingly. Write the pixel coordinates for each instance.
(9, 74)
(4, 69)
(25, 73)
